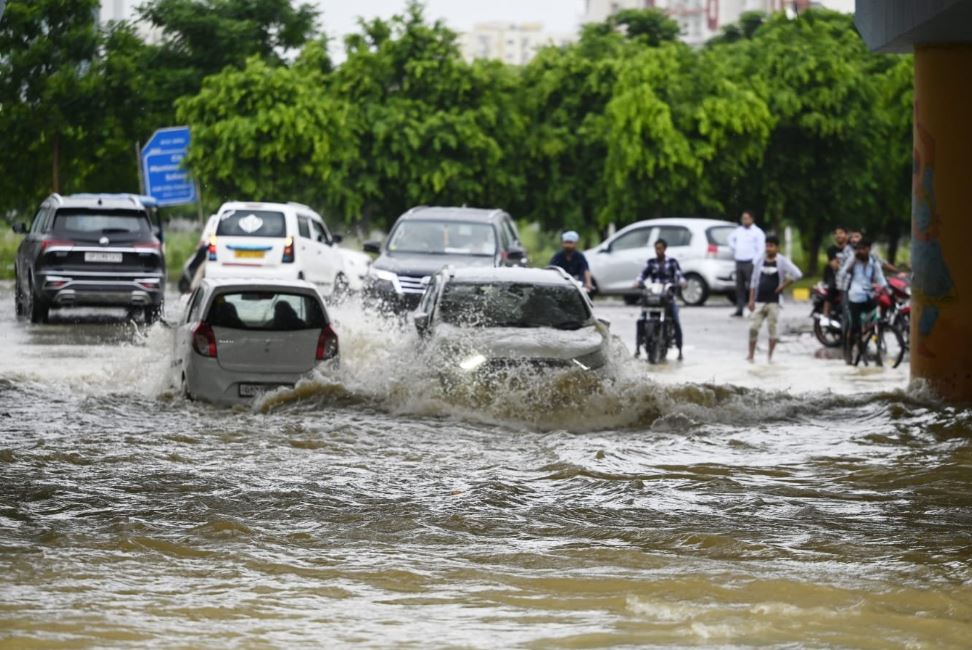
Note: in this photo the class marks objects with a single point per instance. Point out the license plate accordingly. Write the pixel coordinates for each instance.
(252, 390)
(250, 254)
(114, 258)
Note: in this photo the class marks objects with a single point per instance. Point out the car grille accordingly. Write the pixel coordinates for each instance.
(411, 284)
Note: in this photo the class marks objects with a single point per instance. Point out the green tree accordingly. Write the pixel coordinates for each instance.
(47, 96)
(268, 133)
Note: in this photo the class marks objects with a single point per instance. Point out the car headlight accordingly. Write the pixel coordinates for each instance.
(384, 280)
(471, 363)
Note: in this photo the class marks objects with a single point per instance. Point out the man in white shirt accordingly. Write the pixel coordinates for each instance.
(747, 243)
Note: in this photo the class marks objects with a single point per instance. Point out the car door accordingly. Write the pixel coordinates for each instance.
(328, 261)
(183, 338)
(618, 265)
(306, 248)
(679, 239)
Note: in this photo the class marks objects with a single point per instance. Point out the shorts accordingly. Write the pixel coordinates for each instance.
(769, 312)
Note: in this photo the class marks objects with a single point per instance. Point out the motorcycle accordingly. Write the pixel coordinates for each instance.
(656, 327)
(900, 311)
(831, 334)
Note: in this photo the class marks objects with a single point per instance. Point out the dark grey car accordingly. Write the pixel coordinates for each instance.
(90, 250)
(425, 239)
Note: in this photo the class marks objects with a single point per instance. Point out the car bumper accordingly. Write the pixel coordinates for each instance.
(68, 290)
(385, 297)
(207, 380)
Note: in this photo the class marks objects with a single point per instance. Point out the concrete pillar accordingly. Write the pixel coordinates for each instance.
(941, 230)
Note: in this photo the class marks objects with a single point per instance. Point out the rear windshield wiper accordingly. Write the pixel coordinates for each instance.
(110, 231)
(569, 325)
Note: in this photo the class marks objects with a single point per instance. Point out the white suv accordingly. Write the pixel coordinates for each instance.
(700, 246)
(281, 241)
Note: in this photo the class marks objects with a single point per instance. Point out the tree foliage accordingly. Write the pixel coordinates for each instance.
(790, 116)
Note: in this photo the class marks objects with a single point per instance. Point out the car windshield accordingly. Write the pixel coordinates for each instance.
(443, 238)
(266, 310)
(93, 225)
(719, 235)
(509, 304)
(252, 223)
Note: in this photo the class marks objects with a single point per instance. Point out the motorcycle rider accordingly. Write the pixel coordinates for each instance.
(572, 260)
(664, 269)
(772, 273)
(861, 273)
(837, 253)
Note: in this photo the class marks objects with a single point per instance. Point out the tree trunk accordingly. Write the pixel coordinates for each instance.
(56, 163)
(894, 239)
(813, 250)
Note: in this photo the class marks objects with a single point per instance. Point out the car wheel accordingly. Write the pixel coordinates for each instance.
(341, 286)
(631, 299)
(153, 314)
(18, 297)
(35, 307)
(696, 291)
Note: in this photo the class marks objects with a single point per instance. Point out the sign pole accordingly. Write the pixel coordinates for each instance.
(141, 172)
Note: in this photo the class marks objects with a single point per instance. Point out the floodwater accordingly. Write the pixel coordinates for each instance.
(709, 503)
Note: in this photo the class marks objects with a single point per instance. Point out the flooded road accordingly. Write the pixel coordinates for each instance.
(710, 503)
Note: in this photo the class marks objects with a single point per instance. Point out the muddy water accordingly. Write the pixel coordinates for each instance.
(367, 507)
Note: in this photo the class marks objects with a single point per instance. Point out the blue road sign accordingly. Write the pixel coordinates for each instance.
(165, 178)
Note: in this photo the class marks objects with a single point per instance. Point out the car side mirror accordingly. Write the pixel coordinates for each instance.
(605, 322)
(372, 247)
(606, 249)
(421, 322)
(337, 239)
(515, 253)
(19, 228)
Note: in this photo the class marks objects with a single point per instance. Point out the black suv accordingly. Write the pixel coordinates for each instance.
(90, 250)
(425, 239)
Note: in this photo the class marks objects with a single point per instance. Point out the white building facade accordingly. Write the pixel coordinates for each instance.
(700, 20)
(117, 10)
(514, 43)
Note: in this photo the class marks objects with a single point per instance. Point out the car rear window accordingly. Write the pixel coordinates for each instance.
(509, 304)
(95, 224)
(719, 235)
(269, 311)
(252, 223)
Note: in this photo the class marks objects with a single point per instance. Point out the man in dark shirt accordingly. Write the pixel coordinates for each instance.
(572, 260)
(772, 273)
(837, 252)
(662, 268)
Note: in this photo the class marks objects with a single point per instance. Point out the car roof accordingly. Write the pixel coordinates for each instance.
(256, 284)
(100, 201)
(263, 205)
(484, 215)
(486, 274)
(681, 221)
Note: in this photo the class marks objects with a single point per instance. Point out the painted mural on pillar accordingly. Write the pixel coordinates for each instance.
(932, 278)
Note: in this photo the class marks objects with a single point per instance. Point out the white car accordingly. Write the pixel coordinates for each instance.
(282, 241)
(480, 320)
(700, 246)
(240, 338)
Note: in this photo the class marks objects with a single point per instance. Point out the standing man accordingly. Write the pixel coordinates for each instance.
(772, 273)
(861, 273)
(837, 254)
(572, 260)
(747, 243)
(664, 269)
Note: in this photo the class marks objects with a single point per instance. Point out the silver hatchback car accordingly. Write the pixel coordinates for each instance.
(701, 247)
(240, 338)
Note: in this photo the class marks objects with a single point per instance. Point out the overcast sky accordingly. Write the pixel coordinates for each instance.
(339, 16)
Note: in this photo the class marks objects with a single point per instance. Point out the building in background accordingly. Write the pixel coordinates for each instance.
(508, 42)
(117, 10)
(702, 19)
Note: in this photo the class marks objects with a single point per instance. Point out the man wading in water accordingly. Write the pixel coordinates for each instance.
(766, 287)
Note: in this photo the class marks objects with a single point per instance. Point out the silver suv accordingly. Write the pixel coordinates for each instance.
(701, 247)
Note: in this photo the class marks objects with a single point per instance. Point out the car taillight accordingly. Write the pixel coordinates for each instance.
(712, 250)
(204, 340)
(212, 249)
(327, 344)
(154, 245)
(288, 254)
(52, 243)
